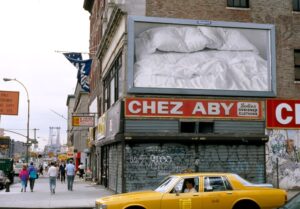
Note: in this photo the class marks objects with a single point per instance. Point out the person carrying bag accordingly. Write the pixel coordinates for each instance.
(32, 175)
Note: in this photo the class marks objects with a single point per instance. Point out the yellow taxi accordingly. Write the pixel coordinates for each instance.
(199, 191)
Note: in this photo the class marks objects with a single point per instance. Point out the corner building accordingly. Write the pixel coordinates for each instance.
(182, 86)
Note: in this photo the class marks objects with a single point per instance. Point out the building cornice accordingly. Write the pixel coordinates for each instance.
(112, 25)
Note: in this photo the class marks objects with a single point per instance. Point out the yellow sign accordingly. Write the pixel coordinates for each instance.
(86, 121)
(62, 157)
(101, 127)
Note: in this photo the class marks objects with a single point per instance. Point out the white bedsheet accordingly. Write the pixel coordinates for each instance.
(207, 69)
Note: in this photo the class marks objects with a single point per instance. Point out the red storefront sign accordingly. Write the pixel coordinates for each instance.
(283, 114)
(193, 108)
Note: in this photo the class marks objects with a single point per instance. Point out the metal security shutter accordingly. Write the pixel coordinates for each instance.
(153, 126)
(246, 160)
(239, 127)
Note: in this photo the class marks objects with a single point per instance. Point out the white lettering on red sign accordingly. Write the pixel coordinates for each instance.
(278, 113)
(297, 113)
(137, 107)
(175, 109)
(288, 108)
(213, 108)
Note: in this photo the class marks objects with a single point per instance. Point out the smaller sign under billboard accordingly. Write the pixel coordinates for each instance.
(83, 121)
(9, 102)
(283, 114)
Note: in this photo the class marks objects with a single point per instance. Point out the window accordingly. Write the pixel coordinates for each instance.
(111, 84)
(238, 3)
(206, 127)
(188, 127)
(296, 5)
(196, 127)
(297, 64)
(187, 185)
(216, 183)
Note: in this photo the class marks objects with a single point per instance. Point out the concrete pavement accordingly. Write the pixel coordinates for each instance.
(83, 195)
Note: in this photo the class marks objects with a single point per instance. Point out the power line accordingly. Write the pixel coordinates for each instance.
(60, 115)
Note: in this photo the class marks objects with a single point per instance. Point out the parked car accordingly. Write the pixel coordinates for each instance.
(210, 191)
(293, 203)
(2, 179)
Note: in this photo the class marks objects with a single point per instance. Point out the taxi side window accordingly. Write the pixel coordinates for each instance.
(216, 183)
(181, 186)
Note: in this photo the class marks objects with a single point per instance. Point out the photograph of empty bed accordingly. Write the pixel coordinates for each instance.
(196, 57)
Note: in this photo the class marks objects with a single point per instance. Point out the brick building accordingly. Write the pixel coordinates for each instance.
(144, 128)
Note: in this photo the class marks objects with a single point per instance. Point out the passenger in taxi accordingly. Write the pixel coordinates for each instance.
(189, 184)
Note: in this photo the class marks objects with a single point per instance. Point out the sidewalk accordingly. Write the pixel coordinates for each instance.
(83, 195)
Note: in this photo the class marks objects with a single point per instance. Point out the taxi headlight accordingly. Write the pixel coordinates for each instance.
(101, 206)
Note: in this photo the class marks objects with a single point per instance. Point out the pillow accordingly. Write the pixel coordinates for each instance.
(167, 39)
(226, 39)
(171, 39)
(235, 40)
(193, 38)
(214, 36)
(143, 47)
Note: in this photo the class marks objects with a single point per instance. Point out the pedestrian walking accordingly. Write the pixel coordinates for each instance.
(57, 168)
(52, 172)
(23, 175)
(32, 171)
(62, 171)
(70, 169)
(41, 168)
(81, 170)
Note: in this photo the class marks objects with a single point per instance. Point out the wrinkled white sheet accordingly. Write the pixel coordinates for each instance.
(207, 69)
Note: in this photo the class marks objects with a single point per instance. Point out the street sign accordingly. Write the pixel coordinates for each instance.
(84, 121)
(9, 102)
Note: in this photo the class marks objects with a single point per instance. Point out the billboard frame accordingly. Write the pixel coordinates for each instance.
(133, 20)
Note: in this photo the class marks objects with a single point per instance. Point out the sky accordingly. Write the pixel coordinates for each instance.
(31, 33)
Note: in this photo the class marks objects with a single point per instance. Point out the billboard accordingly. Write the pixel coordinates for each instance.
(179, 56)
(283, 114)
(9, 102)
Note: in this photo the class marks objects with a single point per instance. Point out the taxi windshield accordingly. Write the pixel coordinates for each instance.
(167, 184)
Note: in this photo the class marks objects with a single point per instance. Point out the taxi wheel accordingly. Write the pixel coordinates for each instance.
(135, 207)
(246, 205)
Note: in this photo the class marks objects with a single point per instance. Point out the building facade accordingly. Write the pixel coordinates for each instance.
(77, 136)
(182, 86)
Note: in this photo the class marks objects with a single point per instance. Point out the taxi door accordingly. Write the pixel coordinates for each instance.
(177, 199)
(217, 193)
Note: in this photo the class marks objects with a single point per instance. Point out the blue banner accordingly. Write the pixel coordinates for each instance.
(83, 67)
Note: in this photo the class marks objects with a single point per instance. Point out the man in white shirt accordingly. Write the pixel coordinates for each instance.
(52, 172)
(70, 169)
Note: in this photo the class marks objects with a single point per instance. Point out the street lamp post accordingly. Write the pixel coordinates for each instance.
(28, 114)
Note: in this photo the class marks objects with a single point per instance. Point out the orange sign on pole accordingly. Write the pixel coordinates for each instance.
(9, 102)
